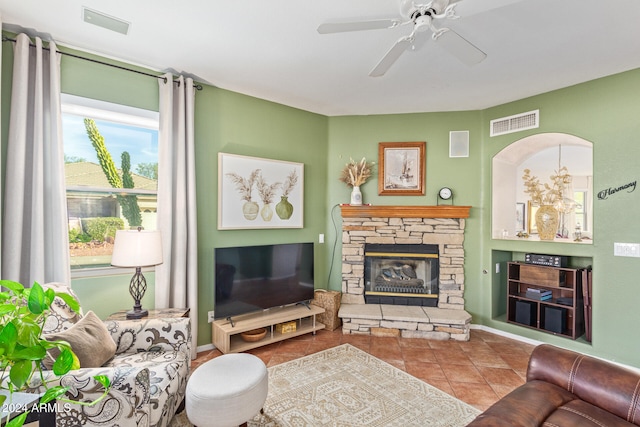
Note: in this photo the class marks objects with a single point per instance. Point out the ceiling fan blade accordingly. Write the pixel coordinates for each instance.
(470, 8)
(459, 47)
(341, 27)
(419, 40)
(392, 56)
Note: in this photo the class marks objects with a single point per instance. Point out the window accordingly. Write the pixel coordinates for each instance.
(580, 212)
(111, 171)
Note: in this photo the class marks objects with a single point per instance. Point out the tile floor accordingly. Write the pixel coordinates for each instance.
(478, 372)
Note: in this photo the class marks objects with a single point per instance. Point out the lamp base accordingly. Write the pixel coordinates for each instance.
(137, 314)
(137, 288)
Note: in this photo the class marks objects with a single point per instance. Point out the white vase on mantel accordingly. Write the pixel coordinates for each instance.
(356, 196)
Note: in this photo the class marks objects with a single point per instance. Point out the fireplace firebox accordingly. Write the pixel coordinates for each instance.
(401, 274)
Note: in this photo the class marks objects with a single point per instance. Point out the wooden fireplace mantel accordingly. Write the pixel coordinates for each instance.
(445, 211)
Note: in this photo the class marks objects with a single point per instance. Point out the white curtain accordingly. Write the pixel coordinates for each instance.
(177, 276)
(1, 222)
(35, 236)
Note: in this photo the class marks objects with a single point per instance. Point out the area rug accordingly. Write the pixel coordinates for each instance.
(345, 386)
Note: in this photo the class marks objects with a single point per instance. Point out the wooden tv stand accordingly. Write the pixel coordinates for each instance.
(227, 338)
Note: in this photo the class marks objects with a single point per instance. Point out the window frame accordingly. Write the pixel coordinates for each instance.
(584, 224)
(117, 113)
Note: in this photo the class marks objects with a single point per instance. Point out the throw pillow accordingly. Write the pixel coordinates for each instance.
(61, 316)
(89, 339)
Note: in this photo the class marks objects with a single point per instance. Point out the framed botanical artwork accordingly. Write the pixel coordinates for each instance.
(259, 193)
(401, 168)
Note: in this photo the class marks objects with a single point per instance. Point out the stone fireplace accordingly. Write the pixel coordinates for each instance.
(405, 228)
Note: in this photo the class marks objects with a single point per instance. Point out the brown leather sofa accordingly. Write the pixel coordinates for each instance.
(566, 389)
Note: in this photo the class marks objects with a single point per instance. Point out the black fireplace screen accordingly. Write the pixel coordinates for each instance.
(401, 274)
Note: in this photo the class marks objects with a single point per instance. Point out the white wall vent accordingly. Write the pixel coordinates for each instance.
(515, 123)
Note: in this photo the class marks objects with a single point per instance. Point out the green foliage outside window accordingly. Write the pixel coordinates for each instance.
(148, 170)
(96, 230)
(129, 203)
(101, 229)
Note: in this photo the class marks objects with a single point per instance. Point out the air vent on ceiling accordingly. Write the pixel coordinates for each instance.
(105, 21)
(515, 123)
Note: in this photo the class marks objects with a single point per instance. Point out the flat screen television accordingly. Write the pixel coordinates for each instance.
(252, 278)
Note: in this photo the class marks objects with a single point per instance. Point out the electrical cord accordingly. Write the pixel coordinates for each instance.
(335, 243)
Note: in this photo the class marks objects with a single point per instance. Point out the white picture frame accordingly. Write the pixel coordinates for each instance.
(521, 218)
(245, 183)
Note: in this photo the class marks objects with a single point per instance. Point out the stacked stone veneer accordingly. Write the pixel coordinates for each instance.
(447, 321)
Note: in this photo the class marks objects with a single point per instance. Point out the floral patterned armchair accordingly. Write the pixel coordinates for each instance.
(148, 373)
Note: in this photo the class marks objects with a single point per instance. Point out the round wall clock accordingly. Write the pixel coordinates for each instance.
(445, 193)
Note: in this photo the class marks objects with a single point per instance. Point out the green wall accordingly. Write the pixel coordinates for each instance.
(603, 111)
(229, 122)
(358, 136)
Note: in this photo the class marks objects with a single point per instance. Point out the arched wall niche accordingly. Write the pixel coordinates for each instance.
(543, 154)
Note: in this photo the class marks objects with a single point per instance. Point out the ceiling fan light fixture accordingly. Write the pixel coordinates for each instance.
(423, 23)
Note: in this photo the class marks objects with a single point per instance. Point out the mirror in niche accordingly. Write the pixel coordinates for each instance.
(544, 155)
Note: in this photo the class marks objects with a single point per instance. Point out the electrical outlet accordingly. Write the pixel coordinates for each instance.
(321, 238)
(211, 317)
(626, 249)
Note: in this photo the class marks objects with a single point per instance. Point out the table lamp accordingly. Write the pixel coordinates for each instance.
(137, 248)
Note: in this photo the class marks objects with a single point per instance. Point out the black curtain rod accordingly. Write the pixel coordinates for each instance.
(197, 86)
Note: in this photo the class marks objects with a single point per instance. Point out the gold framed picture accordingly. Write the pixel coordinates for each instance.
(401, 168)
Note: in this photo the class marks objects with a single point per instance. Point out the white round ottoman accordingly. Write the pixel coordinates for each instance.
(226, 391)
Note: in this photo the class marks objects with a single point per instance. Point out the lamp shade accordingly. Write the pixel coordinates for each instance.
(137, 248)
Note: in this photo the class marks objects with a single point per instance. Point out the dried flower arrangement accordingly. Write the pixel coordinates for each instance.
(355, 173)
(244, 185)
(266, 191)
(547, 194)
(289, 183)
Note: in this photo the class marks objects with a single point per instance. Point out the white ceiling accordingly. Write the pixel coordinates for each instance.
(270, 49)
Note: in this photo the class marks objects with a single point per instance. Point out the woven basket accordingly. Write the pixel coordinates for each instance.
(254, 334)
(330, 301)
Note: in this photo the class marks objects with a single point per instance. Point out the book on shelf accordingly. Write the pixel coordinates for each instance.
(539, 298)
(539, 291)
(539, 294)
(565, 301)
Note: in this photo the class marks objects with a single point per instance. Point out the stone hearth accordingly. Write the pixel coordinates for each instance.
(437, 225)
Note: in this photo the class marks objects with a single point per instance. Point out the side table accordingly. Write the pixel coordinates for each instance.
(153, 314)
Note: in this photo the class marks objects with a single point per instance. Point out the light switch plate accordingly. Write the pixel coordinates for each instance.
(626, 249)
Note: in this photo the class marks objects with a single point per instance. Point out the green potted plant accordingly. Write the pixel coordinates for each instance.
(23, 312)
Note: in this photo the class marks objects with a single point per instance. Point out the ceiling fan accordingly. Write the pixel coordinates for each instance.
(423, 18)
